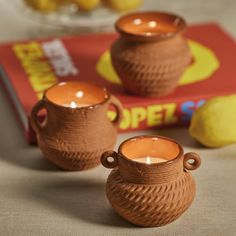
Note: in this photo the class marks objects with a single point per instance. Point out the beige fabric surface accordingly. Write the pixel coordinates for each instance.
(38, 199)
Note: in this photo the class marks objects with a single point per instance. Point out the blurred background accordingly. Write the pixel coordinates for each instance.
(22, 19)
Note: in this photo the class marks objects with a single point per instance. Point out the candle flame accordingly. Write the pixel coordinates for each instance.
(73, 104)
(79, 94)
(137, 21)
(152, 24)
(148, 160)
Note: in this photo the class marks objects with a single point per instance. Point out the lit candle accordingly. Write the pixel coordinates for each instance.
(74, 104)
(149, 160)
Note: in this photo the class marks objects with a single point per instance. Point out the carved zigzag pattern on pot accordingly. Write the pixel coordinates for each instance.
(149, 79)
(151, 71)
(70, 160)
(150, 205)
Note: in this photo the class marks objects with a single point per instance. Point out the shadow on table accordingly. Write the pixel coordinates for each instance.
(27, 157)
(13, 147)
(79, 198)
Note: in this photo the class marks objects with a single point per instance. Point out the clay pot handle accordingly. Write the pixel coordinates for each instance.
(119, 110)
(37, 126)
(105, 161)
(191, 156)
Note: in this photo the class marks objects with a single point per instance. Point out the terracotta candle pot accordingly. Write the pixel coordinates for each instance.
(76, 130)
(151, 54)
(150, 184)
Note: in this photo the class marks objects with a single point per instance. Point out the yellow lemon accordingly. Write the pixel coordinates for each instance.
(86, 5)
(123, 5)
(213, 124)
(45, 5)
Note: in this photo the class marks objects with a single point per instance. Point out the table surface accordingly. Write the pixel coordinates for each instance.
(38, 199)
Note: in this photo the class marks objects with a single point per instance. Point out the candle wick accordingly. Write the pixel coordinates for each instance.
(73, 104)
(148, 160)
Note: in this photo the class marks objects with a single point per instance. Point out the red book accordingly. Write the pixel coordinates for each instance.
(30, 67)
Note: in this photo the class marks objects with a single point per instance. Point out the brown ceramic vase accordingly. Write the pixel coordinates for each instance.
(152, 194)
(151, 54)
(76, 130)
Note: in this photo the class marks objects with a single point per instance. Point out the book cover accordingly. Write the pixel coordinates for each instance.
(30, 67)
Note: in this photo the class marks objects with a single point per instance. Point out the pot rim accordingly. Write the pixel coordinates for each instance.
(152, 37)
(175, 159)
(92, 106)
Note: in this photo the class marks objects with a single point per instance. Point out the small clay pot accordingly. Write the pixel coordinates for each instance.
(151, 53)
(152, 194)
(76, 130)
